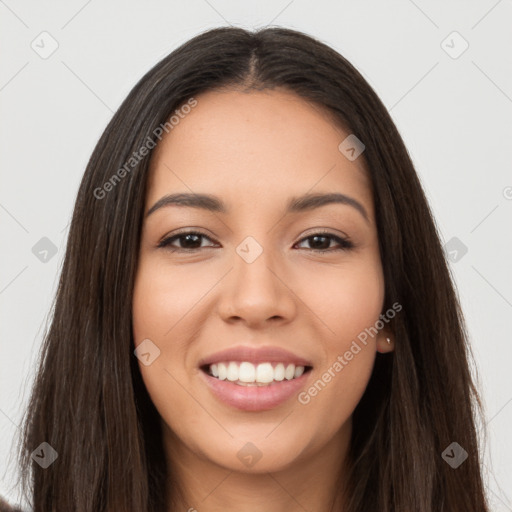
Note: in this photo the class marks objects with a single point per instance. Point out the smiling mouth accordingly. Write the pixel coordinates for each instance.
(248, 374)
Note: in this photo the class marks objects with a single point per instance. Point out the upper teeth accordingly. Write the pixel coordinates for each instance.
(263, 373)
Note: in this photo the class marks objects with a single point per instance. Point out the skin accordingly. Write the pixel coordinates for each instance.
(256, 150)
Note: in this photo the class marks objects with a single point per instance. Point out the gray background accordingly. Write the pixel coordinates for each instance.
(453, 111)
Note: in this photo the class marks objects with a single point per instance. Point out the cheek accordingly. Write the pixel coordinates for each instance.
(348, 301)
(157, 307)
(162, 298)
(339, 383)
(161, 301)
(333, 395)
(348, 305)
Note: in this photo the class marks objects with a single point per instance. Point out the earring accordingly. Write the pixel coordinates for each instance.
(388, 340)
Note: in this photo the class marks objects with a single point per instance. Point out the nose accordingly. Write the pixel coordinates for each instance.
(257, 293)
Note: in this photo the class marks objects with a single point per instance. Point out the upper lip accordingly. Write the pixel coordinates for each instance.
(255, 355)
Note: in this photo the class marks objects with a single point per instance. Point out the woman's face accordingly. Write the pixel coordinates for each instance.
(254, 277)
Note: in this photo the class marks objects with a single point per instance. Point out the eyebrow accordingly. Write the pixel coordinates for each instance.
(295, 204)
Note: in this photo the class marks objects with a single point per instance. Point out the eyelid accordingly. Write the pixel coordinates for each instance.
(344, 241)
(167, 239)
(324, 231)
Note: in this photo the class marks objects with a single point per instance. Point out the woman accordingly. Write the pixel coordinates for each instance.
(254, 312)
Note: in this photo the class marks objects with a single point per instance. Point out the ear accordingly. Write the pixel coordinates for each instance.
(385, 341)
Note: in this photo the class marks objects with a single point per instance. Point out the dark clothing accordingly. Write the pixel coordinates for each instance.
(5, 507)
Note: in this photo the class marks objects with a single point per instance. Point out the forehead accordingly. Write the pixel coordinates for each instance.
(262, 146)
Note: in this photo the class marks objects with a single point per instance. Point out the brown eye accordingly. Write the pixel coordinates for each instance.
(192, 241)
(189, 241)
(321, 242)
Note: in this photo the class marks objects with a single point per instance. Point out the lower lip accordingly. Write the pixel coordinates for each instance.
(255, 398)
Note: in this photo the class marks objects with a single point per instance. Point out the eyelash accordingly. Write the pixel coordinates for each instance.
(345, 243)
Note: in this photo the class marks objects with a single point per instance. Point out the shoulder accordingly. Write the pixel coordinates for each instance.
(5, 507)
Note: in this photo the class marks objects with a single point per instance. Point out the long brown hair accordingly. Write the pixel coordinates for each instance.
(89, 402)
